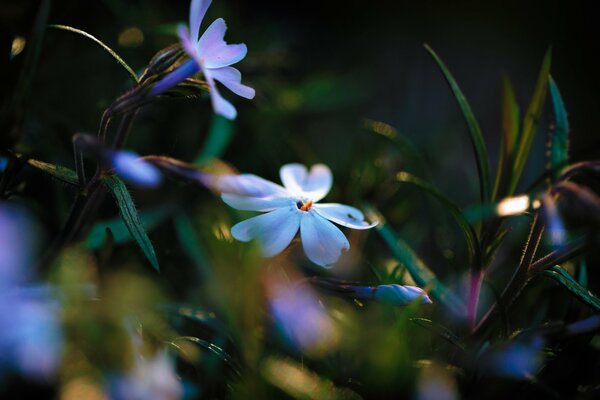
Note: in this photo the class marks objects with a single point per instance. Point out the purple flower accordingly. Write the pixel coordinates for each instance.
(133, 169)
(16, 245)
(290, 208)
(211, 55)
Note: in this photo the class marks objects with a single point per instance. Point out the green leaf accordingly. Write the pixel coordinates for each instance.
(510, 136)
(559, 146)
(150, 219)
(130, 217)
(530, 122)
(477, 141)
(580, 292)
(455, 211)
(188, 239)
(64, 174)
(219, 136)
(104, 46)
(419, 271)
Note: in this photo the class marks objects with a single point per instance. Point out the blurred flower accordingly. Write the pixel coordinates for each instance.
(436, 383)
(397, 295)
(211, 55)
(519, 360)
(133, 169)
(301, 318)
(30, 335)
(291, 208)
(16, 242)
(151, 379)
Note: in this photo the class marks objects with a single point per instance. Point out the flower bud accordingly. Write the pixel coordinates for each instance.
(129, 166)
(400, 295)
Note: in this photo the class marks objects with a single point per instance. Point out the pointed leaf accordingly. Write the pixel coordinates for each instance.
(149, 218)
(530, 122)
(580, 292)
(64, 174)
(477, 141)
(419, 271)
(130, 217)
(510, 135)
(559, 145)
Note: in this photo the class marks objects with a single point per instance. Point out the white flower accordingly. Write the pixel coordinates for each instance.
(290, 208)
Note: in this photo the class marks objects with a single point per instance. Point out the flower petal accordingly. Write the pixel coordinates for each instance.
(274, 230)
(186, 42)
(220, 105)
(248, 185)
(323, 242)
(197, 11)
(231, 78)
(212, 37)
(314, 185)
(133, 169)
(224, 55)
(256, 203)
(344, 215)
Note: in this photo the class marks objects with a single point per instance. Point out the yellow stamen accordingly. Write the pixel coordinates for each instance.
(306, 206)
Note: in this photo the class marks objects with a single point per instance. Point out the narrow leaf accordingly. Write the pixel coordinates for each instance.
(64, 174)
(476, 136)
(188, 239)
(440, 330)
(530, 122)
(130, 217)
(510, 135)
(104, 46)
(219, 136)
(455, 211)
(150, 219)
(559, 145)
(580, 292)
(419, 271)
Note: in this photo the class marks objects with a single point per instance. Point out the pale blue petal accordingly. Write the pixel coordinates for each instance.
(219, 56)
(129, 166)
(197, 11)
(231, 78)
(248, 185)
(313, 185)
(212, 37)
(323, 242)
(344, 215)
(187, 44)
(274, 230)
(220, 105)
(256, 203)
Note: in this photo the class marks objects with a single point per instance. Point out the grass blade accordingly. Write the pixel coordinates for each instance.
(477, 141)
(455, 211)
(559, 145)
(580, 292)
(510, 136)
(530, 122)
(419, 271)
(130, 217)
(104, 46)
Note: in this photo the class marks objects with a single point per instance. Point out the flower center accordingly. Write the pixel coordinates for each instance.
(304, 206)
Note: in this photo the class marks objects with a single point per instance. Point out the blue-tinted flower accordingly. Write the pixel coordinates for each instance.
(211, 55)
(133, 169)
(518, 360)
(16, 245)
(398, 295)
(301, 318)
(151, 379)
(290, 208)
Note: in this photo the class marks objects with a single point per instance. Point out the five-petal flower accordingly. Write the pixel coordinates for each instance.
(290, 208)
(211, 55)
